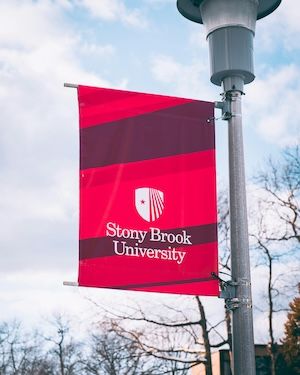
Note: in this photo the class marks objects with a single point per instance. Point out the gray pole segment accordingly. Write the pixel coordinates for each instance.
(242, 321)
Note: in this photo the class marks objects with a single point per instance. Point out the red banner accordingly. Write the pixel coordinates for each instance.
(148, 217)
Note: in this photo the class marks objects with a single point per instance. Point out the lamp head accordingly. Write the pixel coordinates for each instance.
(190, 9)
(230, 28)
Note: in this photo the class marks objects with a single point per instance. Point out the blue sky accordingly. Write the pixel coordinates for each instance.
(143, 45)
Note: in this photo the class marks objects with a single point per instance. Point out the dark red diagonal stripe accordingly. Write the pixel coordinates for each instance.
(102, 247)
(93, 177)
(163, 283)
(100, 105)
(199, 286)
(178, 130)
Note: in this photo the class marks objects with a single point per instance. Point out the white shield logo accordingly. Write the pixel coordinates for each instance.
(149, 203)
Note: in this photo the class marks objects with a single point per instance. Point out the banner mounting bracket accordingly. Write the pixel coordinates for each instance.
(70, 283)
(225, 106)
(228, 293)
(71, 85)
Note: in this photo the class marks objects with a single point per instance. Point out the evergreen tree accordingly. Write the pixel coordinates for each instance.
(291, 341)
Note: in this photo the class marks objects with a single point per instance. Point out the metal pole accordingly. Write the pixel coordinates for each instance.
(230, 27)
(242, 321)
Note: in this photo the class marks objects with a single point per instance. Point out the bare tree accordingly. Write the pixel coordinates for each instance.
(178, 338)
(113, 354)
(224, 234)
(281, 183)
(21, 353)
(65, 352)
(276, 234)
(224, 253)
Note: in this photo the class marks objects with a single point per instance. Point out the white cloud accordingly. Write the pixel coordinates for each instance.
(165, 69)
(281, 27)
(98, 50)
(39, 133)
(189, 81)
(271, 104)
(198, 39)
(114, 10)
(158, 2)
(38, 294)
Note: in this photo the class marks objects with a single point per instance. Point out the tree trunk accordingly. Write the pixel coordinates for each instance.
(208, 365)
(61, 359)
(228, 328)
(273, 346)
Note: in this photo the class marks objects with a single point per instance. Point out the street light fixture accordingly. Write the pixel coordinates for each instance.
(230, 28)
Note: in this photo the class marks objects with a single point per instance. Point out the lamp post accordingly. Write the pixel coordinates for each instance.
(230, 27)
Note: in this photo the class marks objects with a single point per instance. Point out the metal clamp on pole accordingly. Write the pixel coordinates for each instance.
(231, 301)
(229, 292)
(225, 106)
